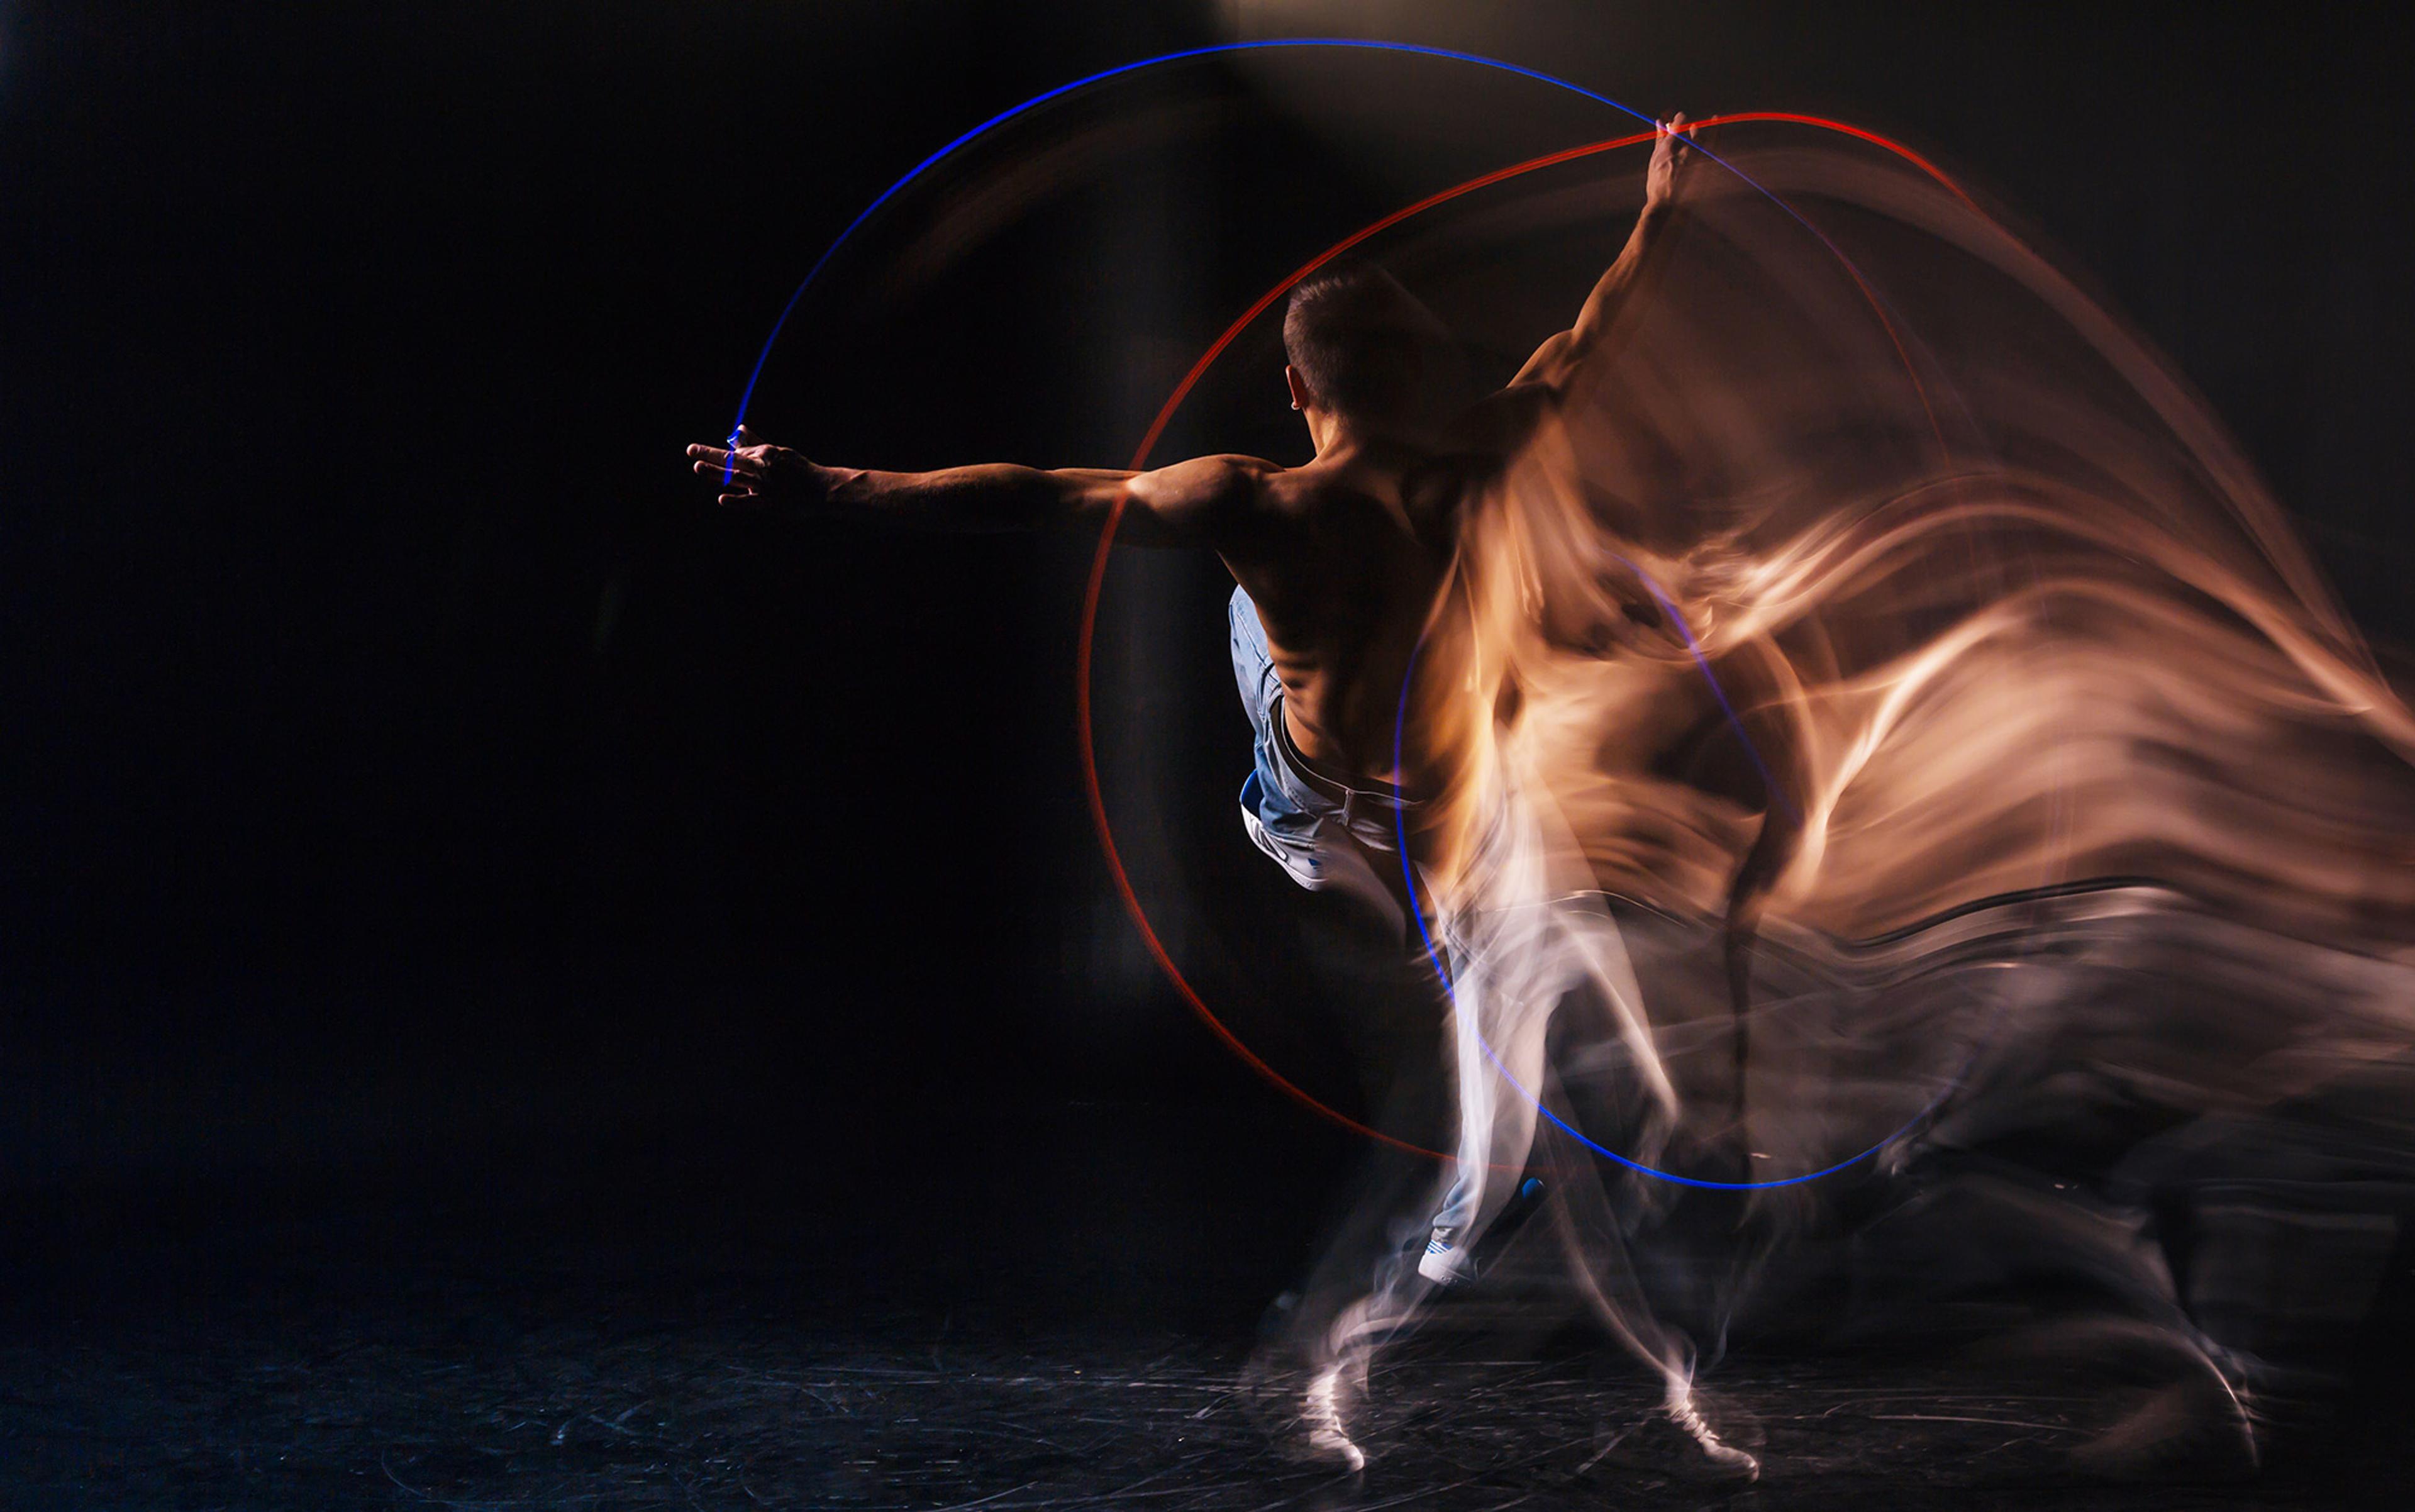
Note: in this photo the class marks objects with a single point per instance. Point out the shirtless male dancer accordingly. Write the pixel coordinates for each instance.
(1337, 562)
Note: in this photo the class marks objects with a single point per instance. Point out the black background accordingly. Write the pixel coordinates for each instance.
(402, 753)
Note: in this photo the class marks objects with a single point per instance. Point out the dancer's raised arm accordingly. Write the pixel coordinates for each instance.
(1559, 359)
(1206, 502)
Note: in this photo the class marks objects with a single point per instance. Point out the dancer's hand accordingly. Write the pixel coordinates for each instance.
(1671, 157)
(758, 476)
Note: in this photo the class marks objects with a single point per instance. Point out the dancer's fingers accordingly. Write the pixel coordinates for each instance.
(718, 470)
(721, 461)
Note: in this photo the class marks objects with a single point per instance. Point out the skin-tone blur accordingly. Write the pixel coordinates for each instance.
(1969, 743)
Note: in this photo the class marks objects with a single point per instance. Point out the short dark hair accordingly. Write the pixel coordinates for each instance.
(1364, 345)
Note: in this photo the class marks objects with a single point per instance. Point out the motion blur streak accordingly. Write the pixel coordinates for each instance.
(1147, 447)
(2074, 813)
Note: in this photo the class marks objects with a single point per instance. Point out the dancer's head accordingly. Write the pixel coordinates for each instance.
(1365, 353)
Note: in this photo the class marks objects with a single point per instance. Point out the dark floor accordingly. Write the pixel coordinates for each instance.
(1051, 1314)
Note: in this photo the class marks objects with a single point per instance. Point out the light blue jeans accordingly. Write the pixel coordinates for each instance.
(1326, 835)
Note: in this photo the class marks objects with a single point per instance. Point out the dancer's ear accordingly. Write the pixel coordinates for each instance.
(1299, 386)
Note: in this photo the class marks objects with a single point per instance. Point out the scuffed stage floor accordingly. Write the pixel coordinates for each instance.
(660, 1331)
(662, 1412)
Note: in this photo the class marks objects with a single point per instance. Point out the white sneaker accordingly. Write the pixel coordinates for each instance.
(1445, 1264)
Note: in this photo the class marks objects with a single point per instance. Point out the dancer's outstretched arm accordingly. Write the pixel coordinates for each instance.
(1206, 502)
(1560, 359)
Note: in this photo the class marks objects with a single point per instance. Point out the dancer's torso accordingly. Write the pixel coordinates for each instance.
(1344, 572)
